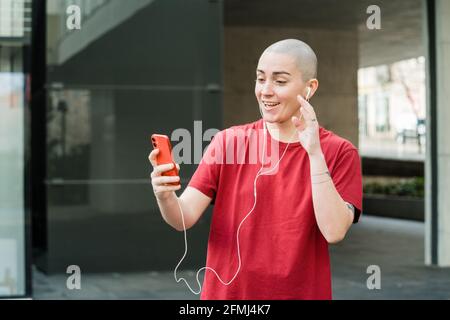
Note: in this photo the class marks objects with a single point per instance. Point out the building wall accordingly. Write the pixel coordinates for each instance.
(336, 100)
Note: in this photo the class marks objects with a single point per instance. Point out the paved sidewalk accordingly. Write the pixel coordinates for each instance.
(396, 246)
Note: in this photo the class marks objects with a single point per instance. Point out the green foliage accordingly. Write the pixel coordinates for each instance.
(412, 188)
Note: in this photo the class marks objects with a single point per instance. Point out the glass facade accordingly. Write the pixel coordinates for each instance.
(128, 72)
(15, 27)
(12, 201)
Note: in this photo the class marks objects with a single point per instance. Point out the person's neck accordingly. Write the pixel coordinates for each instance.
(284, 131)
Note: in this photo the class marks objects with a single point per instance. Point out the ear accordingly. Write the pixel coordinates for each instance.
(313, 85)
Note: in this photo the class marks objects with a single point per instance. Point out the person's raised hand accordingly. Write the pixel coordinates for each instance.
(308, 127)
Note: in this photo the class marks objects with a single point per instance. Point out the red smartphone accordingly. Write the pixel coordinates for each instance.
(164, 156)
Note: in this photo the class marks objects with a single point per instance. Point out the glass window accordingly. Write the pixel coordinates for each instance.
(12, 213)
(134, 68)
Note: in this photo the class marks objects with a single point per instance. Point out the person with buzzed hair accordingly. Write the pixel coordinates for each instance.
(271, 226)
(304, 56)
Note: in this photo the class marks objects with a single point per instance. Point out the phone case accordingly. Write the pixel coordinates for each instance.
(164, 156)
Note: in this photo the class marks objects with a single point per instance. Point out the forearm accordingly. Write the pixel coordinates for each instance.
(332, 214)
(170, 211)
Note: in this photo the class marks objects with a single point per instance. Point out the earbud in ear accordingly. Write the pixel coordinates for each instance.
(309, 92)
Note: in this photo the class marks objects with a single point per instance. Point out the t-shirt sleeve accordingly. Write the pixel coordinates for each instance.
(206, 176)
(347, 179)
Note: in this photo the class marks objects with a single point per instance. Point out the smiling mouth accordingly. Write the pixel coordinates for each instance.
(270, 105)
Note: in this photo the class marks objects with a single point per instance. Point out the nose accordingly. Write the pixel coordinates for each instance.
(266, 89)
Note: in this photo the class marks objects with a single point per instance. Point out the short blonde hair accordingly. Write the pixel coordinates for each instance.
(305, 57)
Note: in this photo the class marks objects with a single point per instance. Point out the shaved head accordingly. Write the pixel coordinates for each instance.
(304, 56)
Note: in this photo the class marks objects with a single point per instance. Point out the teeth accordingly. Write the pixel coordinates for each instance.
(271, 104)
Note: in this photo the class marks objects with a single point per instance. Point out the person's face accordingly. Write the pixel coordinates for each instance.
(278, 82)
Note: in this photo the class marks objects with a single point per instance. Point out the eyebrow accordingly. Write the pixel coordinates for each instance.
(275, 72)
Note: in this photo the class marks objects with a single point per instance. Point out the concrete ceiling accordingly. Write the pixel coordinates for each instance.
(400, 36)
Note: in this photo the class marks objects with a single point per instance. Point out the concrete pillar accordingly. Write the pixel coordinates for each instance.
(335, 102)
(437, 242)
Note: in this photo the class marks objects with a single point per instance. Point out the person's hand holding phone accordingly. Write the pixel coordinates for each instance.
(165, 177)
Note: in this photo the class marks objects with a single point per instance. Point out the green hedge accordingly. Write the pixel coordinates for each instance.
(412, 188)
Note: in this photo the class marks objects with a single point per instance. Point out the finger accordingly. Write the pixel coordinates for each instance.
(296, 121)
(299, 125)
(309, 119)
(161, 180)
(305, 104)
(152, 157)
(310, 116)
(163, 168)
(308, 107)
(306, 115)
(160, 189)
(301, 100)
(178, 166)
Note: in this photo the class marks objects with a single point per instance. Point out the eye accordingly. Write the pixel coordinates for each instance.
(280, 82)
(260, 80)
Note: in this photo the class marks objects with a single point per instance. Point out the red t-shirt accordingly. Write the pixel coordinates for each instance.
(284, 255)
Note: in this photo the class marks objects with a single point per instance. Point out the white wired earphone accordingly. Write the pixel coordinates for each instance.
(258, 174)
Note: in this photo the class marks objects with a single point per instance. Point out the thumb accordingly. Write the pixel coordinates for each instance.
(295, 121)
(152, 157)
